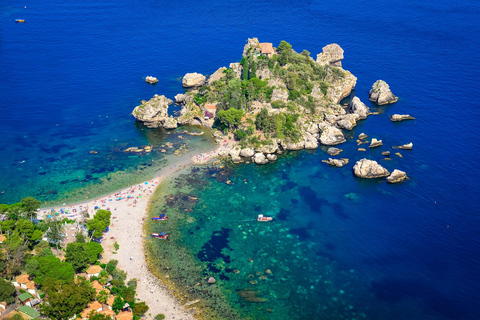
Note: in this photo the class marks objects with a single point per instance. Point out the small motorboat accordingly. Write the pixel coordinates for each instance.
(19, 20)
(161, 217)
(261, 218)
(161, 235)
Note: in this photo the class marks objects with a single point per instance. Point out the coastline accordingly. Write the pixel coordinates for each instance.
(127, 229)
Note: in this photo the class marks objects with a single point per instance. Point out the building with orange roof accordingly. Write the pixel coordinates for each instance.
(21, 281)
(2, 238)
(85, 314)
(31, 288)
(210, 110)
(95, 305)
(108, 312)
(110, 301)
(267, 49)
(94, 271)
(125, 315)
(97, 286)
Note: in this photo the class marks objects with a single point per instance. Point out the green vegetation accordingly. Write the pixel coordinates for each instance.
(7, 291)
(80, 255)
(100, 221)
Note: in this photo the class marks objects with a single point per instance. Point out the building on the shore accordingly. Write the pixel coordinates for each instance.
(28, 312)
(267, 49)
(25, 297)
(210, 110)
(93, 271)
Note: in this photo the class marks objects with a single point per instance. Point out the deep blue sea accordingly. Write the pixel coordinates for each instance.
(73, 72)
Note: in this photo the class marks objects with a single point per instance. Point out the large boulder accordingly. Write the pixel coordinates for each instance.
(151, 80)
(376, 143)
(331, 54)
(271, 157)
(247, 153)
(369, 169)
(310, 141)
(217, 75)
(348, 121)
(358, 107)
(235, 154)
(193, 80)
(330, 135)
(280, 95)
(259, 158)
(153, 112)
(381, 93)
(170, 123)
(397, 176)
(268, 148)
(401, 117)
(180, 98)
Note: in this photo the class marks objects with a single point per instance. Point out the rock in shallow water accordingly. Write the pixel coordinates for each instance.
(400, 117)
(397, 176)
(334, 151)
(369, 169)
(381, 93)
(336, 162)
(193, 80)
(376, 143)
(151, 80)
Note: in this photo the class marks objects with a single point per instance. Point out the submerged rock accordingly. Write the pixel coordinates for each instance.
(376, 143)
(251, 296)
(369, 169)
(397, 176)
(150, 79)
(211, 280)
(334, 151)
(401, 117)
(381, 93)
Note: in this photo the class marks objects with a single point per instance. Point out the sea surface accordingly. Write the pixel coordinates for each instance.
(339, 247)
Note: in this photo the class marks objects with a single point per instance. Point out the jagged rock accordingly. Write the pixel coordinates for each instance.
(277, 82)
(259, 158)
(211, 280)
(331, 54)
(247, 153)
(153, 112)
(341, 87)
(336, 162)
(348, 121)
(386, 153)
(358, 107)
(369, 169)
(317, 93)
(268, 148)
(180, 98)
(235, 155)
(362, 136)
(397, 176)
(381, 93)
(334, 151)
(311, 142)
(193, 80)
(330, 135)
(252, 46)
(170, 123)
(271, 157)
(400, 117)
(312, 128)
(407, 146)
(217, 75)
(237, 68)
(264, 74)
(287, 145)
(150, 79)
(280, 95)
(375, 143)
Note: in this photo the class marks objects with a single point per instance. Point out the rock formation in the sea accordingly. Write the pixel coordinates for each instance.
(259, 158)
(292, 145)
(150, 79)
(381, 93)
(193, 80)
(154, 112)
(211, 280)
(334, 151)
(369, 169)
(407, 146)
(310, 141)
(180, 98)
(247, 152)
(336, 162)
(217, 75)
(397, 176)
(386, 153)
(271, 157)
(362, 136)
(339, 87)
(235, 155)
(332, 55)
(330, 135)
(170, 123)
(376, 143)
(358, 107)
(347, 121)
(401, 117)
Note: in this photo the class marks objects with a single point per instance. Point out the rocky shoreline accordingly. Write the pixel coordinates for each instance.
(281, 84)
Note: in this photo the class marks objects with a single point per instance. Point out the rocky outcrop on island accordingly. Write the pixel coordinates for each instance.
(369, 169)
(293, 145)
(150, 79)
(180, 98)
(401, 117)
(193, 80)
(217, 75)
(334, 151)
(330, 135)
(170, 123)
(336, 162)
(154, 112)
(332, 55)
(259, 158)
(397, 176)
(381, 93)
(359, 108)
(375, 143)
(347, 121)
(340, 87)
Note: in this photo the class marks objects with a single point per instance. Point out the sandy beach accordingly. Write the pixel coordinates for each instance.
(129, 212)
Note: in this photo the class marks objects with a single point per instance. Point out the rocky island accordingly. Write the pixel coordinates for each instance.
(274, 99)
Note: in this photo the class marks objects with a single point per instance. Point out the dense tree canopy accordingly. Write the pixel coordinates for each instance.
(7, 291)
(51, 268)
(230, 118)
(99, 222)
